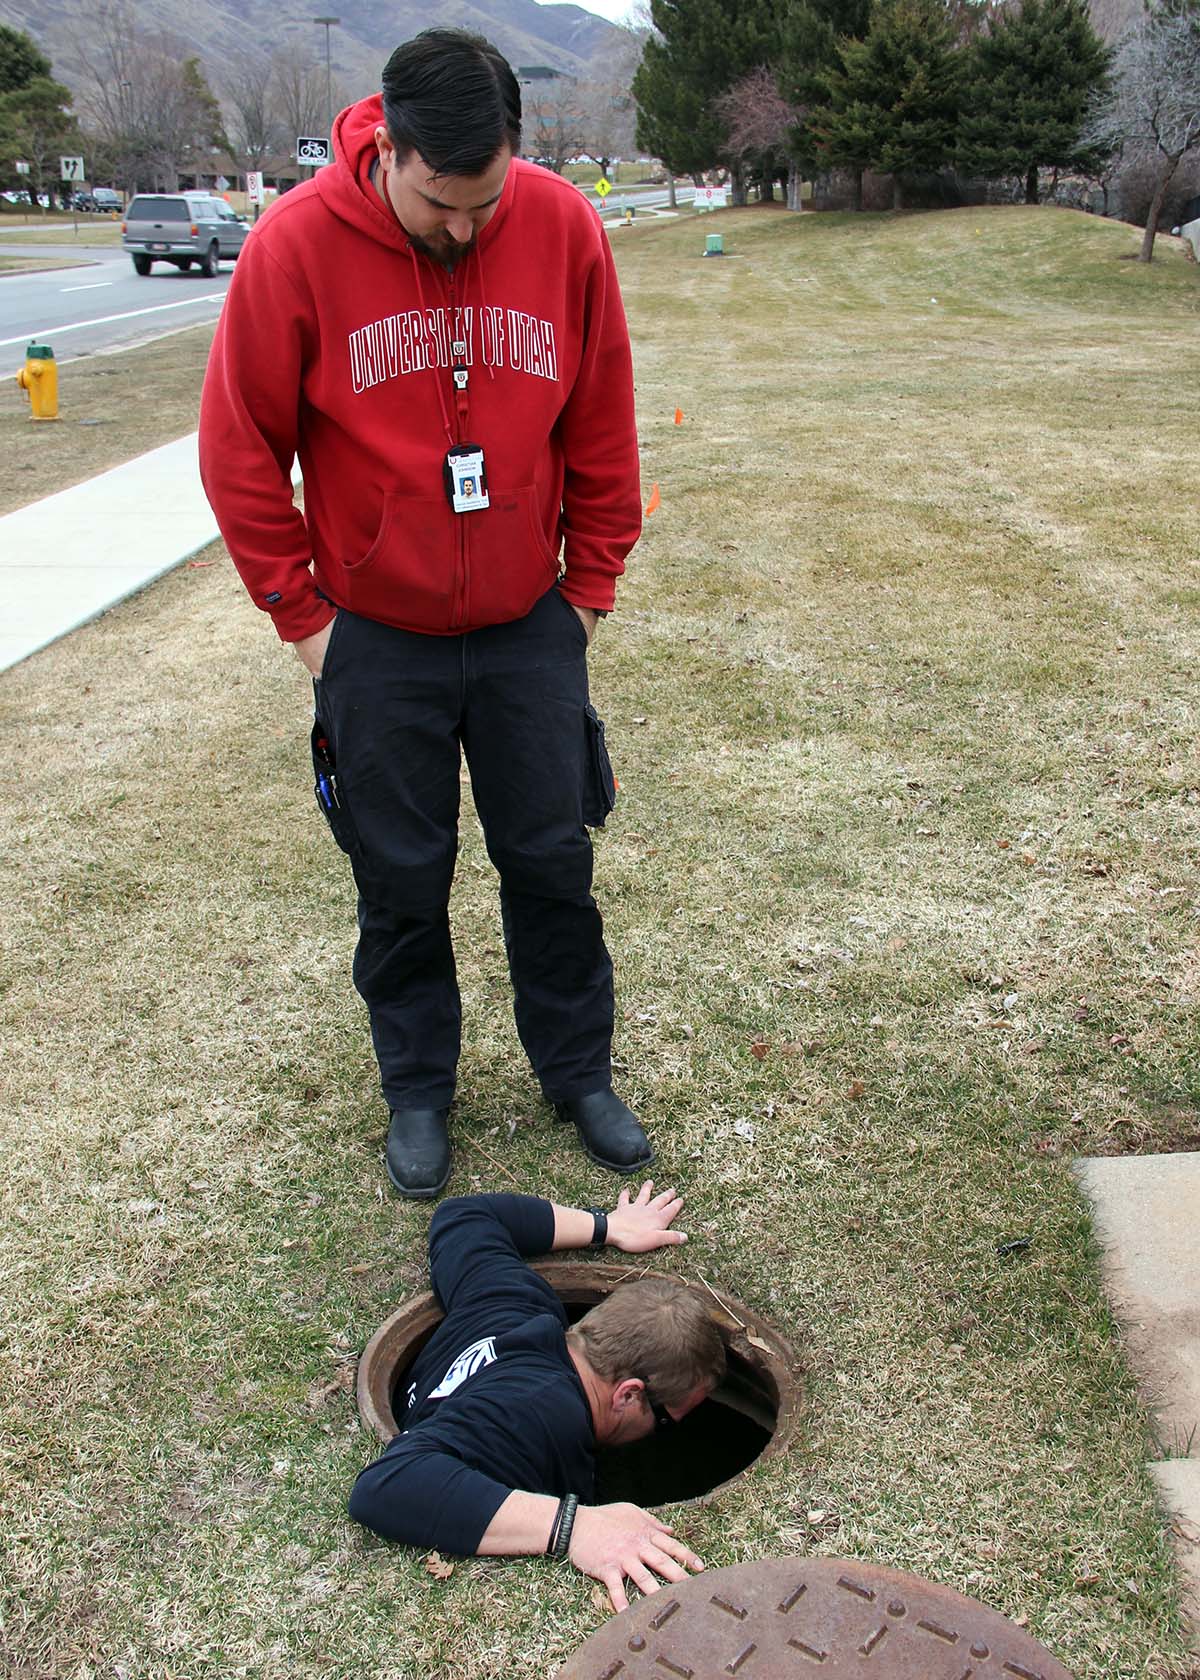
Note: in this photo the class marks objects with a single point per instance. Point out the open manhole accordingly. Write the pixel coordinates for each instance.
(787, 1618)
(752, 1415)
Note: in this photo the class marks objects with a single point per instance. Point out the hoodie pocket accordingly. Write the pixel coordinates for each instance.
(408, 574)
(430, 568)
(510, 564)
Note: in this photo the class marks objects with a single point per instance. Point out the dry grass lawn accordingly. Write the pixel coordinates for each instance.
(60, 230)
(902, 891)
(38, 265)
(112, 406)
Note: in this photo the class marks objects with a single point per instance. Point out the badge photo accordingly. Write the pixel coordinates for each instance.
(466, 479)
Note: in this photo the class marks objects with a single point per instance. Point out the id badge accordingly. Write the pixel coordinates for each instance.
(466, 478)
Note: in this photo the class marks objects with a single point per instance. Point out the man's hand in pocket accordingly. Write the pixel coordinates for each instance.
(311, 651)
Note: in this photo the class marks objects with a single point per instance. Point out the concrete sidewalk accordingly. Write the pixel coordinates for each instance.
(67, 559)
(1147, 1216)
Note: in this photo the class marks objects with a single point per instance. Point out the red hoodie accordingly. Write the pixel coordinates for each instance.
(335, 345)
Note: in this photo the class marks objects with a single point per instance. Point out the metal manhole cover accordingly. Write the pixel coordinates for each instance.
(804, 1618)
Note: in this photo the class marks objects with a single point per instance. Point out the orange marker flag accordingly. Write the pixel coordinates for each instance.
(679, 417)
(654, 501)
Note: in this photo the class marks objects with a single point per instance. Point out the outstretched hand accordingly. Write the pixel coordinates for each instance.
(612, 1542)
(638, 1224)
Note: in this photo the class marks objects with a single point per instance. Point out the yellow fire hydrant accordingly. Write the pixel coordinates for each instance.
(39, 377)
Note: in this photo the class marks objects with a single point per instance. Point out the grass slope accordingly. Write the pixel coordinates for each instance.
(902, 893)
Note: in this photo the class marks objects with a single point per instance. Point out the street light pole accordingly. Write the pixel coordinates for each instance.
(328, 23)
(126, 93)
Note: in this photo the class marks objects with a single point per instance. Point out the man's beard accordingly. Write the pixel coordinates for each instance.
(443, 249)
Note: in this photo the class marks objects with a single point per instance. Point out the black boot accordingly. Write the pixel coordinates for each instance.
(418, 1151)
(608, 1131)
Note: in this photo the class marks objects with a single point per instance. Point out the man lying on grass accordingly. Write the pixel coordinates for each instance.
(507, 1405)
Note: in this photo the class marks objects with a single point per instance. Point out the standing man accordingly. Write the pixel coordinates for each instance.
(435, 327)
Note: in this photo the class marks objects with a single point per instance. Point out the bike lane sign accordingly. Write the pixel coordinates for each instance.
(314, 150)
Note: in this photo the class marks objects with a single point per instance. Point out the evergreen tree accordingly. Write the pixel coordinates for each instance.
(700, 48)
(37, 125)
(1030, 78)
(894, 98)
(810, 31)
(206, 107)
(21, 60)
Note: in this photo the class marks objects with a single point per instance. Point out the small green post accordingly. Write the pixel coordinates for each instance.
(714, 245)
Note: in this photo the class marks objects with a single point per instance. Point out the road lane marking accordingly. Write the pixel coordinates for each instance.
(93, 287)
(105, 320)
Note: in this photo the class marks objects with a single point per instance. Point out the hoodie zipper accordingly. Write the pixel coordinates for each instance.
(459, 605)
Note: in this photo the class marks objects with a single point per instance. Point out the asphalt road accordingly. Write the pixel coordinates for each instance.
(641, 198)
(105, 306)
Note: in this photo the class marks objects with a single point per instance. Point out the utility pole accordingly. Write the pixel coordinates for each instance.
(328, 23)
(126, 110)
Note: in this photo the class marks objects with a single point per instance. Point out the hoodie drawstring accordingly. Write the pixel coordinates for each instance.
(483, 308)
(437, 380)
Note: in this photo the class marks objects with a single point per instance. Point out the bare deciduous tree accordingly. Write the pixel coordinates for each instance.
(300, 97)
(759, 121)
(1153, 110)
(554, 123)
(145, 98)
(255, 127)
(606, 103)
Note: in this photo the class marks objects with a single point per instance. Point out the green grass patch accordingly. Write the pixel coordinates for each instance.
(901, 889)
(621, 174)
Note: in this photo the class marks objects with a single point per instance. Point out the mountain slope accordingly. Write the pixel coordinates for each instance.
(221, 32)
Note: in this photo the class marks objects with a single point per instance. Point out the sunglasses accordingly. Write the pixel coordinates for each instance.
(662, 1417)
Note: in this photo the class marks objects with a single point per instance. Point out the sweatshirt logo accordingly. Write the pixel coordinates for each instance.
(470, 1360)
(416, 339)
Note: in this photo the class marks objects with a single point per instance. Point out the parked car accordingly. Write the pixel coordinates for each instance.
(105, 199)
(182, 229)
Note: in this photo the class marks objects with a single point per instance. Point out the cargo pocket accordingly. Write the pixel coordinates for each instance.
(328, 791)
(600, 785)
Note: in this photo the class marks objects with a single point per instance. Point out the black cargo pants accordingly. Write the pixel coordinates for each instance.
(395, 708)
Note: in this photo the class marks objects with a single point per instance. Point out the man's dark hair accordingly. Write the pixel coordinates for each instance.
(452, 98)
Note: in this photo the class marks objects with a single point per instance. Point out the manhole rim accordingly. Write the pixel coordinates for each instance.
(581, 1283)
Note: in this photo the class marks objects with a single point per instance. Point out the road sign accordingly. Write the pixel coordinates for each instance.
(711, 198)
(603, 187)
(254, 186)
(222, 185)
(21, 167)
(71, 168)
(313, 149)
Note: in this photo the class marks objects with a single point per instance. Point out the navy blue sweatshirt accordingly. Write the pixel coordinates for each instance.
(493, 1401)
